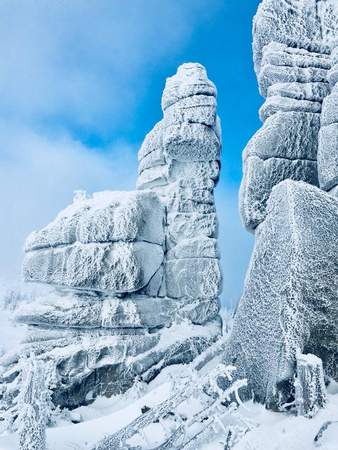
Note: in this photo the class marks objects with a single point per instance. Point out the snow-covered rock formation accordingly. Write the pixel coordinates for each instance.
(289, 304)
(134, 276)
(112, 242)
(292, 60)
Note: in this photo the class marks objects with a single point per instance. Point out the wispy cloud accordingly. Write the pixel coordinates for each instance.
(85, 63)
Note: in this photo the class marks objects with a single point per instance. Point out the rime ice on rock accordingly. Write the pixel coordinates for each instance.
(310, 387)
(289, 304)
(135, 275)
(33, 406)
(328, 136)
(184, 172)
(292, 63)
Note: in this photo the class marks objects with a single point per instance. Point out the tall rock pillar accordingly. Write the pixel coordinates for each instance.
(179, 160)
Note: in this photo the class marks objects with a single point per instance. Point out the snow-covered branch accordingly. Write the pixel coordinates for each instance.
(204, 423)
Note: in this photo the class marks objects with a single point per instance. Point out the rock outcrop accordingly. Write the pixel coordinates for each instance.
(111, 243)
(134, 277)
(289, 305)
(328, 136)
(293, 62)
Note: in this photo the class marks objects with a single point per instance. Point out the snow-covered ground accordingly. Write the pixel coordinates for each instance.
(104, 416)
(278, 431)
(269, 430)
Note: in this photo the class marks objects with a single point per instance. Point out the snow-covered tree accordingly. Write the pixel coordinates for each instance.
(33, 405)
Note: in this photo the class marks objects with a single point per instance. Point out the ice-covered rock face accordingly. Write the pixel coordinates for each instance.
(190, 80)
(307, 24)
(105, 217)
(135, 276)
(328, 136)
(111, 243)
(289, 304)
(293, 41)
(291, 22)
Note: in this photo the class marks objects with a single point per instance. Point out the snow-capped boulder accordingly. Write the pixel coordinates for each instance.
(289, 304)
(114, 268)
(111, 242)
(105, 217)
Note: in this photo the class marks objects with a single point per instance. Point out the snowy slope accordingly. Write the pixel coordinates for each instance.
(269, 430)
(85, 434)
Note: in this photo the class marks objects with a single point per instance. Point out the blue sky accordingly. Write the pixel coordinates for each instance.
(80, 86)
